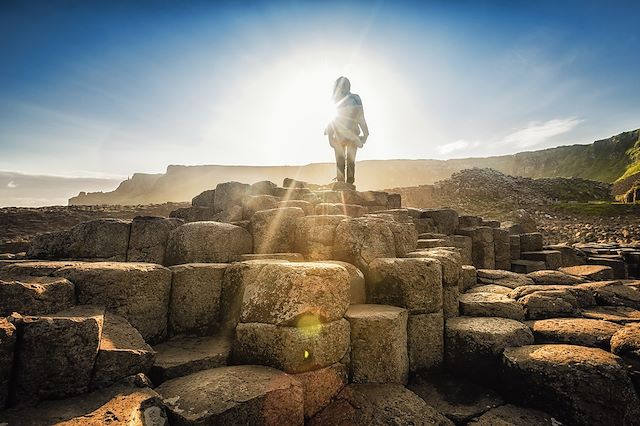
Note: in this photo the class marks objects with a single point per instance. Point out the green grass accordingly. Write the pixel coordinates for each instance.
(602, 208)
(632, 169)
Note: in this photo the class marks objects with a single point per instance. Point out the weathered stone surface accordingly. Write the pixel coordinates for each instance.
(378, 344)
(122, 352)
(531, 242)
(502, 248)
(405, 236)
(415, 284)
(473, 345)
(503, 278)
(117, 405)
(458, 399)
(193, 214)
(184, 355)
(574, 331)
(360, 241)
(583, 296)
(207, 242)
(56, 354)
(431, 243)
(590, 272)
(289, 294)
(514, 246)
(36, 268)
(570, 255)
(320, 386)
(482, 246)
(490, 305)
(306, 206)
(550, 277)
(291, 349)
(139, 292)
(464, 246)
(292, 193)
(538, 375)
(618, 266)
(194, 306)
(378, 405)
(204, 199)
(491, 288)
(425, 340)
(551, 258)
(315, 236)
(450, 296)
(626, 341)
(229, 194)
(446, 220)
(254, 203)
(148, 240)
(549, 304)
(424, 225)
(290, 257)
(617, 314)
(357, 286)
(246, 394)
(35, 295)
(7, 345)
(468, 277)
(351, 210)
(614, 293)
(264, 187)
(274, 230)
(526, 266)
(467, 221)
(511, 415)
(450, 261)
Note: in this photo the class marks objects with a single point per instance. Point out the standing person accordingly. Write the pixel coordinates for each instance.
(348, 131)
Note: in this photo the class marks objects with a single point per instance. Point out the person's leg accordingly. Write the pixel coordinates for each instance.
(351, 162)
(340, 161)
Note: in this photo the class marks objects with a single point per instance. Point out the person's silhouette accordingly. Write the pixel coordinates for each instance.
(348, 131)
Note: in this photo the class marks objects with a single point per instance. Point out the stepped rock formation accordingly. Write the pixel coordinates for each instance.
(298, 304)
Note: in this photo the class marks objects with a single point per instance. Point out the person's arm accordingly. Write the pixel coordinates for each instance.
(363, 127)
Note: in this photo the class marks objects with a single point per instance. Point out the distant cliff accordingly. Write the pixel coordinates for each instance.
(605, 160)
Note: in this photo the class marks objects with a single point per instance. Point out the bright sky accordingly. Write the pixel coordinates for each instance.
(93, 88)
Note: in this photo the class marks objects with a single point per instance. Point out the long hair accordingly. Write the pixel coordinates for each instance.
(341, 88)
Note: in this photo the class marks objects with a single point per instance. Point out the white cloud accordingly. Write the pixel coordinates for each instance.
(12, 185)
(538, 132)
(458, 145)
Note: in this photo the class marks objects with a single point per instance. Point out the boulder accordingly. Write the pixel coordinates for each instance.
(590, 272)
(568, 382)
(503, 278)
(446, 220)
(458, 399)
(291, 349)
(289, 294)
(121, 404)
(360, 241)
(139, 292)
(425, 341)
(56, 354)
(194, 306)
(626, 341)
(414, 284)
(274, 230)
(315, 236)
(512, 415)
(264, 187)
(148, 240)
(204, 199)
(574, 331)
(246, 394)
(184, 355)
(491, 288)
(531, 242)
(255, 203)
(468, 277)
(490, 305)
(229, 194)
(35, 295)
(550, 277)
(357, 286)
(207, 242)
(308, 208)
(378, 405)
(378, 344)
(321, 386)
(122, 352)
(7, 345)
(473, 346)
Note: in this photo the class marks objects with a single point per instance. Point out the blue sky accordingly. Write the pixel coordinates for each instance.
(110, 88)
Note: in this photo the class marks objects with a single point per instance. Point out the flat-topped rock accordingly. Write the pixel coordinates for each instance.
(491, 288)
(184, 355)
(378, 344)
(228, 195)
(378, 405)
(531, 241)
(274, 230)
(574, 331)
(254, 203)
(551, 277)
(480, 304)
(612, 293)
(321, 386)
(35, 295)
(116, 405)
(139, 292)
(148, 239)
(599, 392)
(458, 399)
(360, 241)
(583, 297)
(7, 345)
(290, 257)
(503, 278)
(122, 352)
(449, 259)
(306, 206)
(352, 210)
(512, 415)
(357, 286)
(617, 314)
(246, 394)
(35, 268)
(626, 341)
(526, 266)
(590, 272)
(551, 258)
(315, 236)
(425, 340)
